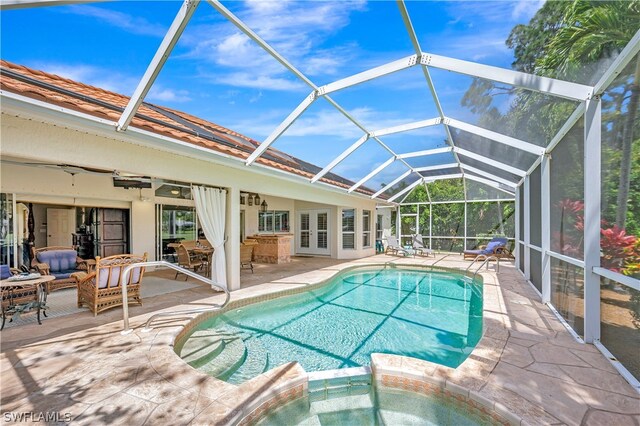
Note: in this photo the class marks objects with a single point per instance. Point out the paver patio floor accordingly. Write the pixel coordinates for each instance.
(81, 365)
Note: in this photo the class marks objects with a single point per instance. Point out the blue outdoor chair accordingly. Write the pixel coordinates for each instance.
(496, 247)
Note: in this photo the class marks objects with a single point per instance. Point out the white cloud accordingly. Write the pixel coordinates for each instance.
(111, 80)
(168, 95)
(126, 22)
(263, 82)
(525, 9)
(297, 30)
(92, 75)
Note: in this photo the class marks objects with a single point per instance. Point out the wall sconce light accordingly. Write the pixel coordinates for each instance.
(264, 206)
(250, 200)
(141, 198)
(256, 200)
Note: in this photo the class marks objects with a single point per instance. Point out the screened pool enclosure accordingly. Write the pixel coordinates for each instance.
(549, 159)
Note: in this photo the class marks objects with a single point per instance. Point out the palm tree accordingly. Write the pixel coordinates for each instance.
(593, 31)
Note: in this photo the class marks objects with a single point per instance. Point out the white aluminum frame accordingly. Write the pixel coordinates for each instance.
(389, 186)
(372, 174)
(494, 136)
(589, 108)
(369, 74)
(552, 86)
(407, 127)
(426, 152)
(25, 4)
(545, 226)
(437, 167)
(592, 208)
(169, 41)
(282, 127)
(407, 189)
(488, 175)
(491, 162)
(418, 50)
(527, 229)
(489, 182)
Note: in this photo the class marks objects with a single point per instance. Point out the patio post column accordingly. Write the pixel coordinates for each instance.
(545, 225)
(527, 233)
(232, 246)
(592, 176)
(516, 249)
(398, 222)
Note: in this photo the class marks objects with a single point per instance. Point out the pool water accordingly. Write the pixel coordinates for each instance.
(430, 315)
(385, 408)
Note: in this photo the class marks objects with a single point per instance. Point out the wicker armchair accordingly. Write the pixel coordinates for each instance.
(187, 261)
(246, 255)
(102, 290)
(61, 262)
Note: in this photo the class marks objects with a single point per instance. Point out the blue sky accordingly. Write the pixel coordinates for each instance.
(217, 73)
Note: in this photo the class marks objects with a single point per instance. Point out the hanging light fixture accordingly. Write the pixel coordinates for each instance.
(264, 206)
(242, 199)
(257, 200)
(250, 199)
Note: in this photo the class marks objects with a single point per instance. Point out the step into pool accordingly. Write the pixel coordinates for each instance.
(430, 315)
(356, 401)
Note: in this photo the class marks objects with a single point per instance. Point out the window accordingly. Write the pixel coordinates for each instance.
(366, 228)
(379, 228)
(273, 221)
(349, 229)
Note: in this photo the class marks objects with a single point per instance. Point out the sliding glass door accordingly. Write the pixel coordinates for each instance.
(174, 224)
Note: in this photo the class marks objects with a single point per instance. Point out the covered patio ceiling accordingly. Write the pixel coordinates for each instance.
(469, 151)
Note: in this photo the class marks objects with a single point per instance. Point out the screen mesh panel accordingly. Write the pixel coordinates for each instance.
(417, 195)
(489, 169)
(521, 211)
(441, 172)
(482, 191)
(535, 208)
(620, 174)
(447, 220)
(619, 325)
(567, 194)
(502, 108)
(454, 245)
(567, 293)
(536, 269)
(446, 190)
(491, 149)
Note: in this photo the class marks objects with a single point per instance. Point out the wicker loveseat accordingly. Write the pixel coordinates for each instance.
(102, 289)
(62, 263)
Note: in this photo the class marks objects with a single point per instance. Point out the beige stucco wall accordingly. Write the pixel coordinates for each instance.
(70, 142)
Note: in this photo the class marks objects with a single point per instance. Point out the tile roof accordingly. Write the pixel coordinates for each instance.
(179, 125)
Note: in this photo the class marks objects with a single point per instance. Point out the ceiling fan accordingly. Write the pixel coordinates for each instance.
(73, 169)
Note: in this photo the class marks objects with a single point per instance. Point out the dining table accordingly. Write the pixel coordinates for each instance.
(196, 250)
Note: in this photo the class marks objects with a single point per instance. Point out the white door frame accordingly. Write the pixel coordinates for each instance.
(313, 232)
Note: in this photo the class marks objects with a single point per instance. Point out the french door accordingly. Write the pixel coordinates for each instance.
(313, 232)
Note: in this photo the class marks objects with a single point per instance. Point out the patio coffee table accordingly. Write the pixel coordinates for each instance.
(19, 296)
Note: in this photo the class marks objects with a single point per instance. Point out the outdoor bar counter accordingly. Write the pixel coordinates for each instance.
(272, 248)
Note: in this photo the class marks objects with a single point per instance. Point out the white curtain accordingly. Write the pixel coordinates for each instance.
(211, 208)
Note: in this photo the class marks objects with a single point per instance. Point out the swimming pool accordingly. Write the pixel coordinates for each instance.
(430, 315)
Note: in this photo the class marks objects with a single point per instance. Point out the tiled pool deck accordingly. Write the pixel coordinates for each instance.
(82, 367)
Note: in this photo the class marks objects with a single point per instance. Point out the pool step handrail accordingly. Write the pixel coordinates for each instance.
(125, 298)
(485, 262)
